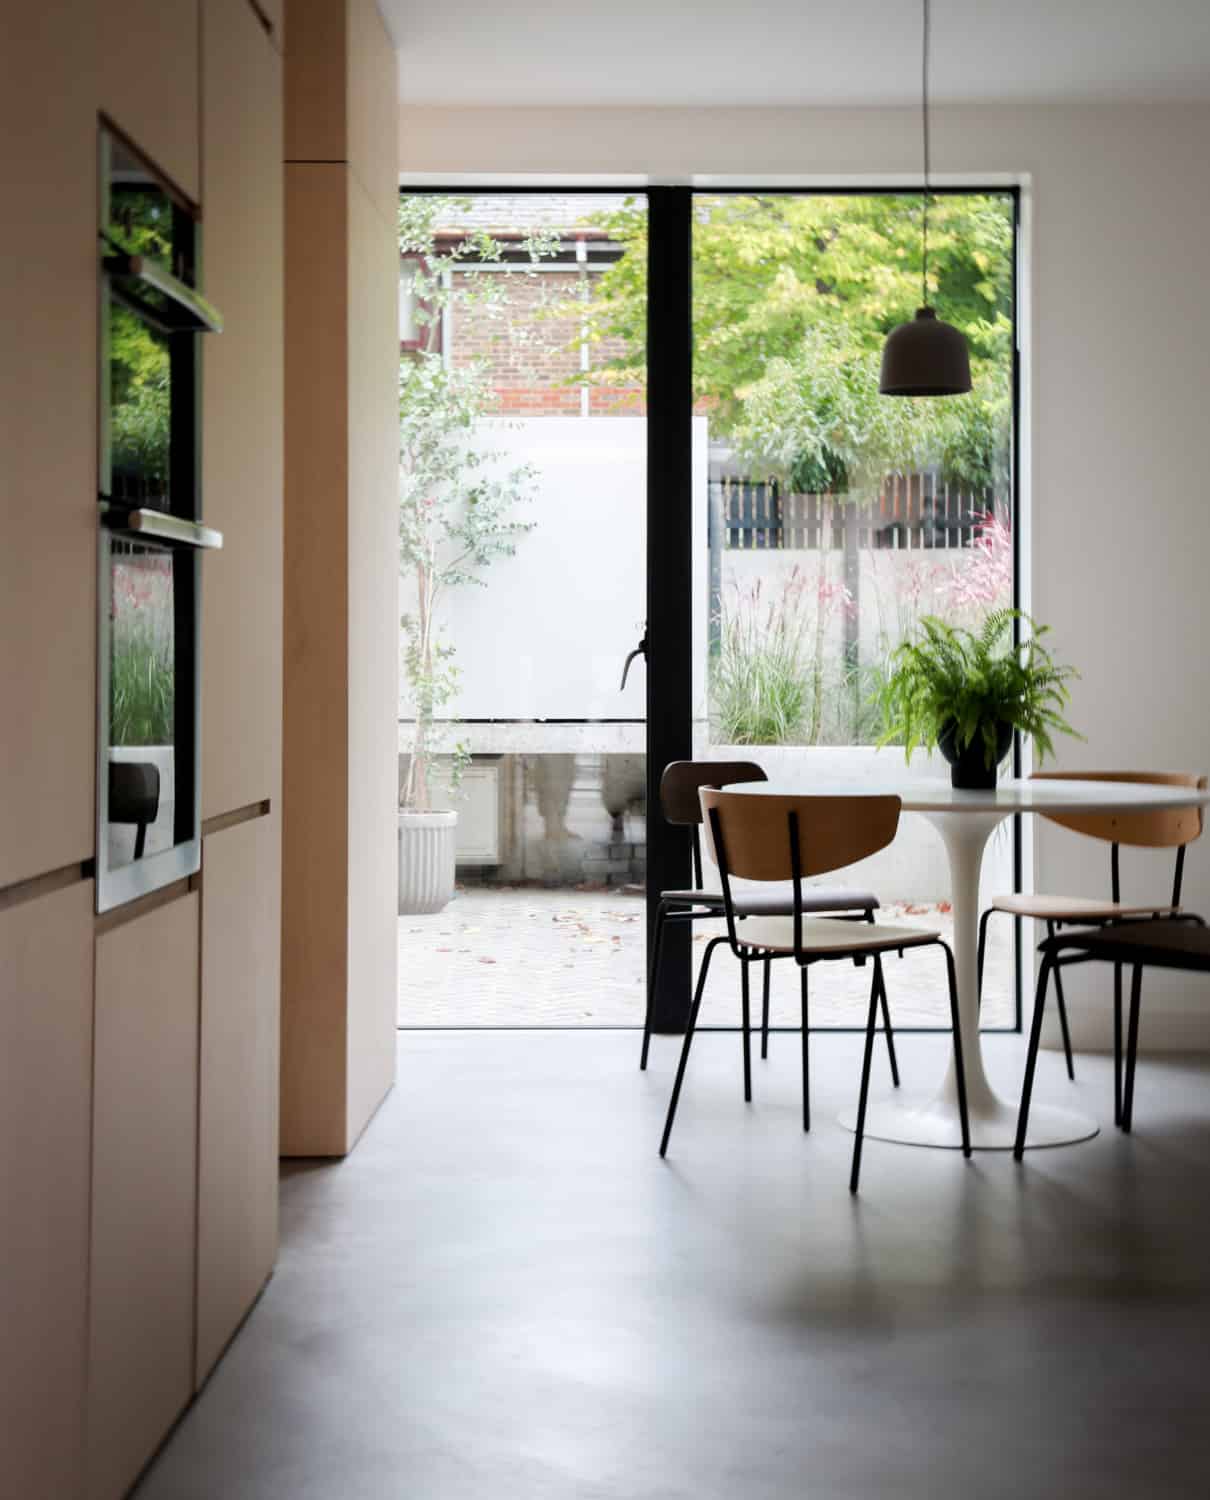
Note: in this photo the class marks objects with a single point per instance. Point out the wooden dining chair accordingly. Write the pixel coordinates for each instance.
(773, 838)
(1160, 828)
(1181, 942)
(680, 802)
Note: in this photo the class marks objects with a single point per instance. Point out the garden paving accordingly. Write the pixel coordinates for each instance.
(531, 956)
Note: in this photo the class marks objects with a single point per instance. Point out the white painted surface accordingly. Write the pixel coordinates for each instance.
(547, 637)
(782, 52)
(1117, 366)
(933, 795)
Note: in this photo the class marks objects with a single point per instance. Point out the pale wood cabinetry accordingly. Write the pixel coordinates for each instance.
(144, 1190)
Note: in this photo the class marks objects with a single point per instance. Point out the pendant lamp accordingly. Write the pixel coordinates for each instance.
(925, 357)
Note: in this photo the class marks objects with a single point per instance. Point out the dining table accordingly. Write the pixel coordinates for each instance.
(965, 821)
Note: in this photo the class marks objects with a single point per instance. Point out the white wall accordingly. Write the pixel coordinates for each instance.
(1116, 318)
(547, 638)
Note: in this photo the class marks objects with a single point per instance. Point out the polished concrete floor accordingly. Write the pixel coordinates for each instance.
(505, 1295)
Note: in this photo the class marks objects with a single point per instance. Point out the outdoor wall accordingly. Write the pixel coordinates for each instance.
(545, 640)
(547, 637)
(1117, 365)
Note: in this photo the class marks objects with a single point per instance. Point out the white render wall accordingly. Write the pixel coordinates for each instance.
(548, 636)
(1116, 320)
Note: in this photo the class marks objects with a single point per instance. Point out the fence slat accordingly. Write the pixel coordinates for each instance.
(908, 511)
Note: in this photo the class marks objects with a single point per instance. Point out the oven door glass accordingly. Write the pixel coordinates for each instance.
(148, 824)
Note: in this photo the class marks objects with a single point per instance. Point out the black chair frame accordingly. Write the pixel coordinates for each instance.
(1083, 949)
(878, 998)
(1053, 928)
(682, 911)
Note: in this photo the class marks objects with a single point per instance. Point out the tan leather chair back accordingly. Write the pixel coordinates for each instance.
(1162, 828)
(832, 831)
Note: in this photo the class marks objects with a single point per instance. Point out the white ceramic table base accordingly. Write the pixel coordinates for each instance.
(934, 1121)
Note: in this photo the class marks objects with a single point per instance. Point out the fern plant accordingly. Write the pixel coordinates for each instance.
(945, 676)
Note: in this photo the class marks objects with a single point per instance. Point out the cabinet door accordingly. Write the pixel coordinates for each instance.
(45, 1079)
(237, 1128)
(242, 411)
(148, 76)
(144, 1190)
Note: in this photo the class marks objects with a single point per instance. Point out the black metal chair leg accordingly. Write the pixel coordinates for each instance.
(806, 1052)
(1062, 1007)
(689, 1029)
(652, 976)
(747, 1030)
(959, 1063)
(764, 1010)
(1132, 1047)
(1031, 1061)
(859, 1131)
(983, 921)
(1117, 1044)
(886, 1022)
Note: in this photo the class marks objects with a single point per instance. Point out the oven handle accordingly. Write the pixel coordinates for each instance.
(193, 314)
(155, 524)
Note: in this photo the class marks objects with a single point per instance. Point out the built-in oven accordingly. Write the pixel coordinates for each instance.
(151, 537)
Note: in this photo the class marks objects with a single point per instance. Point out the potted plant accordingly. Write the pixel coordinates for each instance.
(965, 692)
(456, 505)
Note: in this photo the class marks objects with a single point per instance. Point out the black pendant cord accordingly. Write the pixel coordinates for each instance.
(924, 116)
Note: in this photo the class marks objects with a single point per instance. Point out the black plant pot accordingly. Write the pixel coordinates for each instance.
(968, 770)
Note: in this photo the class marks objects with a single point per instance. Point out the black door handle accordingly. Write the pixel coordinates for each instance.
(639, 650)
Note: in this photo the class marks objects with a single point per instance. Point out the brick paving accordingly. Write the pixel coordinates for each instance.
(517, 956)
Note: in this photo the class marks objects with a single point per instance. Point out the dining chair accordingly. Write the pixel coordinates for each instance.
(789, 838)
(1180, 942)
(1171, 828)
(680, 802)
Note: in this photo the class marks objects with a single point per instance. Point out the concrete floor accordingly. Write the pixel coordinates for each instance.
(505, 1295)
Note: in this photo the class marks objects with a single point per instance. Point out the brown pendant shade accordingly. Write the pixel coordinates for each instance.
(925, 357)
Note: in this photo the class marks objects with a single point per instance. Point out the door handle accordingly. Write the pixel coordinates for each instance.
(639, 650)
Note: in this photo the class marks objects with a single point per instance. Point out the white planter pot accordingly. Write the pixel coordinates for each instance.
(426, 861)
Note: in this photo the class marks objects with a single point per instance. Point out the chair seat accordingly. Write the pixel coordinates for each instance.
(828, 934)
(1075, 908)
(778, 899)
(1158, 944)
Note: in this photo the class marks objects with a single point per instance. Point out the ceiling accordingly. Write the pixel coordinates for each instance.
(810, 52)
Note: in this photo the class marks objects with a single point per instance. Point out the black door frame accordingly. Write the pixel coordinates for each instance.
(669, 571)
(670, 527)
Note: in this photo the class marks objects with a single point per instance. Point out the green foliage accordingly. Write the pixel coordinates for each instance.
(758, 685)
(457, 508)
(140, 222)
(141, 694)
(976, 680)
(793, 296)
(138, 397)
(768, 681)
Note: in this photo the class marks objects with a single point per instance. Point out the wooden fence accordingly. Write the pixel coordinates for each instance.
(912, 511)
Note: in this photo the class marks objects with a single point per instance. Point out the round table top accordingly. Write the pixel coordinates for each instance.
(1013, 795)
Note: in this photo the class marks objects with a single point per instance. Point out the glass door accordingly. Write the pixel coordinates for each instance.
(522, 596)
(829, 519)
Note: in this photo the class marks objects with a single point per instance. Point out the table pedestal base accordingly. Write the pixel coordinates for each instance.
(934, 1122)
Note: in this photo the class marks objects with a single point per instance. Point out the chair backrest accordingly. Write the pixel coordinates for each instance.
(1157, 828)
(683, 780)
(757, 843)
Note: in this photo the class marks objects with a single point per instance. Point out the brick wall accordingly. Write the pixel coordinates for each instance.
(531, 348)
